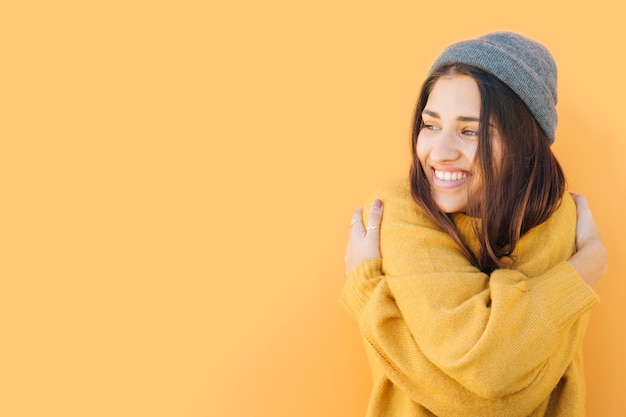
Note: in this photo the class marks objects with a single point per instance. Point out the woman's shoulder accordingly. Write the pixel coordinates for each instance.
(562, 220)
(399, 204)
(393, 194)
(550, 242)
(398, 190)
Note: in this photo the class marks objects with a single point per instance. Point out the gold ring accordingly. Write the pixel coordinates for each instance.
(371, 227)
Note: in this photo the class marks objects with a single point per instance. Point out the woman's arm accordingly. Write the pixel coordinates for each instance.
(493, 335)
(363, 250)
(473, 384)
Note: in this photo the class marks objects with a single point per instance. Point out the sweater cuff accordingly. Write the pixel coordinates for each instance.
(360, 284)
(566, 294)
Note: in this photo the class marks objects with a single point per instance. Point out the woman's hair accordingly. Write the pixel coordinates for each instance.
(519, 192)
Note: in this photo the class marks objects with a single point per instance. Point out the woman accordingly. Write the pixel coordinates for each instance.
(473, 290)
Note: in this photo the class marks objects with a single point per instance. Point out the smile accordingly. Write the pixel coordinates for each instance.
(450, 175)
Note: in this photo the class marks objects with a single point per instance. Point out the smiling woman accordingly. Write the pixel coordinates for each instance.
(519, 176)
(448, 141)
(473, 290)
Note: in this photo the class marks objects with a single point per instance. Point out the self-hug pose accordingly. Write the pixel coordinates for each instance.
(473, 289)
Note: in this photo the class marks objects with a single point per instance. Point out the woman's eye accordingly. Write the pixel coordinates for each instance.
(429, 126)
(470, 132)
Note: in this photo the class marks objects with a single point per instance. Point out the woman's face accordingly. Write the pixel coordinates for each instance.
(448, 140)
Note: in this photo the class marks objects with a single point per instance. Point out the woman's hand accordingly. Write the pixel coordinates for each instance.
(590, 259)
(364, 242)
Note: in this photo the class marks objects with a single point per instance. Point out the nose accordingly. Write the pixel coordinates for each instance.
(445, 147)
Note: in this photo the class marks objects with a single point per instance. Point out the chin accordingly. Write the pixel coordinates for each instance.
(451, 207)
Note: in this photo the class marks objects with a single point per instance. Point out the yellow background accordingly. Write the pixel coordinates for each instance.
(178, 179)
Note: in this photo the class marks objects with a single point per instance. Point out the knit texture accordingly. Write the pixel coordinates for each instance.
(444, 339)
(525, 65)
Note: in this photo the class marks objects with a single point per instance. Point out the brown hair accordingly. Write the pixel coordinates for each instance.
(519, 193)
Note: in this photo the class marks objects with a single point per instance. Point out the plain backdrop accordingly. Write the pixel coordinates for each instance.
(177, 181)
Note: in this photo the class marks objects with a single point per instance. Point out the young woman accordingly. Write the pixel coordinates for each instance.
(473, 290)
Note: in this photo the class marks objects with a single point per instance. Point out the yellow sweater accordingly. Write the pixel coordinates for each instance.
(444, 339)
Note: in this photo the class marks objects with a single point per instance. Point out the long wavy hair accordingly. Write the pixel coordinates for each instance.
(519, 192)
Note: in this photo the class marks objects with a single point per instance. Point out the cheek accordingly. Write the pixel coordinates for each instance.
(470, 150)
(470, 154)
(421, 150)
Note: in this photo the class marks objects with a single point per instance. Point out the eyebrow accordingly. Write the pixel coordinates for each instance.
(460, 118)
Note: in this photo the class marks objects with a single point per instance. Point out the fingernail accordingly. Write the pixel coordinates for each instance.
(377, 203)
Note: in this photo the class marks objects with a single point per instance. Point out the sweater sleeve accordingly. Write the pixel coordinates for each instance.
(495, 340)
(492, 336)
(360, 285)
(399, 353)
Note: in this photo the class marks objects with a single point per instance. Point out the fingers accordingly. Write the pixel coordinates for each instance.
(582, 207)
(580, 200)
(586, 227)
(364, 243)
(373, 221)
(356, 224)
(590, 260)
(375, 217)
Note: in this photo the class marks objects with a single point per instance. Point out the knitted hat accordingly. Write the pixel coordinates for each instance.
(526, 66)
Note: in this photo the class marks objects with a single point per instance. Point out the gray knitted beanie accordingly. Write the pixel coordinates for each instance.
(526, 66)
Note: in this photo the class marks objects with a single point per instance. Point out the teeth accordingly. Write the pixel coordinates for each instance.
(450, 176)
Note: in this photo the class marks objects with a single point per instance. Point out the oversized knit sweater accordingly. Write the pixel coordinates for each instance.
(444, 339)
